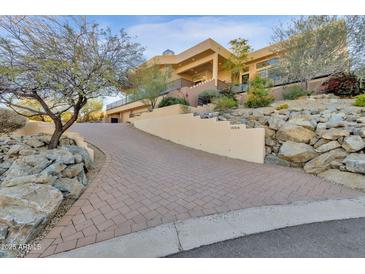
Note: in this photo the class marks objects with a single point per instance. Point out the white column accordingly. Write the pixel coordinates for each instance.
(215, 68)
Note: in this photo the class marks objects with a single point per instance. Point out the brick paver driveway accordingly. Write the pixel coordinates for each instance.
(148, 181)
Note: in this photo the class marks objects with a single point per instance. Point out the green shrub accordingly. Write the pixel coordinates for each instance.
(228, 93)
(253, 101)
(169, 101)
(294, 92)
(207, 96)
(282, 106)
(223, 103)
(258, 94)
(360, 100)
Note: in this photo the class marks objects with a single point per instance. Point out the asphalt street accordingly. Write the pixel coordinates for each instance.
(334, 239)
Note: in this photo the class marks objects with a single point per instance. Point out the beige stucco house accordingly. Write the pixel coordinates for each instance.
(201, 68)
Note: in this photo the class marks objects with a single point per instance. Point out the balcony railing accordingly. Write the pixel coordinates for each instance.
(171, 86)
(177, 84)
(126, 100)
(240, 88)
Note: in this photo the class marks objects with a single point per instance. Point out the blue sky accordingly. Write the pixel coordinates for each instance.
(157, 33)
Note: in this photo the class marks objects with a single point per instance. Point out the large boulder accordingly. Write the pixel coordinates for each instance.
(305, 122)
(3, 231)
(360, 131)
(60, 155)
(10, 121)
(16, 149)
(73, 170)
(353, 143)
(294, 133)
(348, 179)
(54, 169)
(334, 133)
(361, 120)
(70, 188)
(328, 146)
(275, 160)
(43, 198)
(24, 223)
(34, 142)
(297, 152)
(28, 179)
(27, 165)
(275, 122)
(336, 120)
(355, 162)
(76, 150)
(25, 209)
(323, 161)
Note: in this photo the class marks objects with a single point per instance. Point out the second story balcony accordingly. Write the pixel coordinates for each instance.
(171, 86)
(127, 99)
(177, 84)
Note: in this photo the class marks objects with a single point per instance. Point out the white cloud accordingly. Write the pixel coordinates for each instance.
(182, 33)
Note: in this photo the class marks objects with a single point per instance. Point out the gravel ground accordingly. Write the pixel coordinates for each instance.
(315, 103)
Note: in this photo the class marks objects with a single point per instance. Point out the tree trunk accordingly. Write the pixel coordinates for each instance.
(56, 136)
(306, 84)
(60, 128)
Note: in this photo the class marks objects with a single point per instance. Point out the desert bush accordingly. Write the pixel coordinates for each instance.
(282, 106)
(207, 96)
(253, 101)
(360, 100)
(169, 101)
(258, 94)
(223, 103)
(294, 92)
(229, 93)
(343, 84)
(10, 121)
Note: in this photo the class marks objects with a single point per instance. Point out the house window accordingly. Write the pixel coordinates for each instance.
(267, 63)
(268, 69)
(273, 74)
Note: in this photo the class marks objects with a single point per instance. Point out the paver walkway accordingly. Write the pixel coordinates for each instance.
(147, 181)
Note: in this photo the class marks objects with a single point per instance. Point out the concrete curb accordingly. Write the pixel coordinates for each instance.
(179, 236)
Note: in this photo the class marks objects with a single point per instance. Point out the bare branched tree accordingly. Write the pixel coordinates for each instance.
(311, 46)
(61, 62)
(355, 25)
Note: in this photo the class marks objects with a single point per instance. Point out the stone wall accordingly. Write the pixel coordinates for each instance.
(322, 134)
(34, 181)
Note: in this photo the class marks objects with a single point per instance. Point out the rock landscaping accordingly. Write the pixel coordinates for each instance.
(34, 181)
(322, 134)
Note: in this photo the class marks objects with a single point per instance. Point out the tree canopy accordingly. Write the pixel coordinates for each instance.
(237, 61)
(311, 46)
(355, 25)
(148, 83)
(61, 62)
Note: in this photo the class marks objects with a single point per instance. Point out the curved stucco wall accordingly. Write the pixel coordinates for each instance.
(33, 128)
(218, 137)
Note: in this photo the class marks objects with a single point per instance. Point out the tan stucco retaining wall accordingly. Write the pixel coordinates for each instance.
(161, 112)
(33, 128)
(222, 138)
